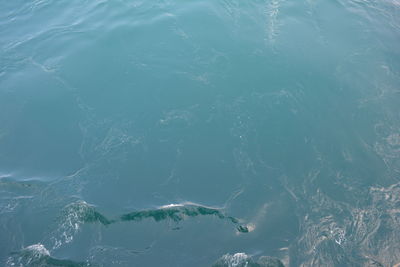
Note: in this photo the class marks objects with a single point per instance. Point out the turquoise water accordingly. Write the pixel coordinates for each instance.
(199, 133)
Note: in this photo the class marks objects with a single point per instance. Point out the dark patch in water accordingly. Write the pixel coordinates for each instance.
(175, 213)
(243, 229)
(88, 214)
(94, 216)
(180, 212)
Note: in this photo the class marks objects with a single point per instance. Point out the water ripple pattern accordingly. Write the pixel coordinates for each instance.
(199, 133)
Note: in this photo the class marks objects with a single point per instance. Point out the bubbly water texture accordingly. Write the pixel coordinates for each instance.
(199, 133)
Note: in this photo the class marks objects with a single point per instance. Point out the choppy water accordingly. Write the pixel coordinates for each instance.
(199, 133)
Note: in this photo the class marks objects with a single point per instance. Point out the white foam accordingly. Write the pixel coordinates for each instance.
(5, 175)
(70, 223)
(171, 206)
(235, 259)
(38, 250)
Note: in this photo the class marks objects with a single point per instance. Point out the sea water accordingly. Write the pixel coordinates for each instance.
(199, 132)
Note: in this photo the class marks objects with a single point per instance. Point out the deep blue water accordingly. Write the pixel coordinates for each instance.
(193, 133)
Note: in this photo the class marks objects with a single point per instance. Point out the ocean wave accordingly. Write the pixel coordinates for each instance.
(76, 214)
(38, 256)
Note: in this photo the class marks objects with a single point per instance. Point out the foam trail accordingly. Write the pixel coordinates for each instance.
(38, 255)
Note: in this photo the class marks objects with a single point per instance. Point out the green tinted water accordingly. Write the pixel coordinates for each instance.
(272, 126)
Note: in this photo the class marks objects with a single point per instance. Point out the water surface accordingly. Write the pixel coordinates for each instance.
(188, 133)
